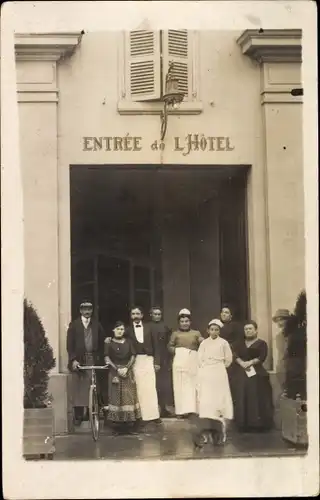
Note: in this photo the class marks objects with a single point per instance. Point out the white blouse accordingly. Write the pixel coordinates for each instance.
(214, 351)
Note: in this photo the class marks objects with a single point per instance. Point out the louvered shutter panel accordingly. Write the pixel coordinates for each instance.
(143, 65)
(176, 48)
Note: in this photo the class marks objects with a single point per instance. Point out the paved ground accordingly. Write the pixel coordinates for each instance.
(169, 441)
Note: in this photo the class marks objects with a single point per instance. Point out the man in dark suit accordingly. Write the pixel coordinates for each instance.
(161, 334)
(85, 346)
(146, 364)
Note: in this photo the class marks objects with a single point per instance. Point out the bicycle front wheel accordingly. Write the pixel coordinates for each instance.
(94, 412)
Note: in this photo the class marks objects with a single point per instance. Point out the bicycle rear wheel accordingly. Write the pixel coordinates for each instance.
(94, 412)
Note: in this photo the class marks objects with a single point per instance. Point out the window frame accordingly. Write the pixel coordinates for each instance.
(126, 106)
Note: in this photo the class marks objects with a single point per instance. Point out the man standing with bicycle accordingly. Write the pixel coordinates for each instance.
(85, 346)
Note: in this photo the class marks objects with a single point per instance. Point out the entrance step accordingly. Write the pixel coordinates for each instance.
(85, 427)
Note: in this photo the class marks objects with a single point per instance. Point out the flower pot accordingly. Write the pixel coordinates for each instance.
(38, 433)
(294, 420)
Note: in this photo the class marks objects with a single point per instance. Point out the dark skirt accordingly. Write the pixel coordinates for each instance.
(123, 399)
(253, 402)
(232, 377)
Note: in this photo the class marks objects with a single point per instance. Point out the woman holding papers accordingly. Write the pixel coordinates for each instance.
(253, 403)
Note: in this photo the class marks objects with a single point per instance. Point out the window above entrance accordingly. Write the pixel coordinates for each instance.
(144, 61)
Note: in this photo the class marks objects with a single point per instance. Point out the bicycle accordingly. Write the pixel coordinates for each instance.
(94, 409)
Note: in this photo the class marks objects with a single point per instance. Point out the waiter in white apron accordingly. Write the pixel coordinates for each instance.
(145, 366)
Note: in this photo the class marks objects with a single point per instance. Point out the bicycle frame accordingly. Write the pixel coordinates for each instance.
(93, 401)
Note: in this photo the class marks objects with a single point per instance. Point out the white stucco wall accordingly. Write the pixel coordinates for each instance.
(229, 89)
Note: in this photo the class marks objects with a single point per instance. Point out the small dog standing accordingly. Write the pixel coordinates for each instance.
(208, 430)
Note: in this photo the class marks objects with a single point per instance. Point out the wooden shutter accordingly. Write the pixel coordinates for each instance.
(176, 48)
(143, 75)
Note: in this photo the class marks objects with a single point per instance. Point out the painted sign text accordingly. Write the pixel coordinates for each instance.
(184, 145)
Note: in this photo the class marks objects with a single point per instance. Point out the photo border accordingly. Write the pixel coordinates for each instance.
(238, 477)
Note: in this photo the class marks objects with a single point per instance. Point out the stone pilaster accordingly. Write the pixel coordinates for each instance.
(37, 59)
(278, 54)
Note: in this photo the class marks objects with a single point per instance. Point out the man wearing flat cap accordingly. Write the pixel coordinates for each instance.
(280, 317)
(85, 346)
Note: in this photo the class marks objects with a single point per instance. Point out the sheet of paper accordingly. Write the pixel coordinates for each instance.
(251, 372)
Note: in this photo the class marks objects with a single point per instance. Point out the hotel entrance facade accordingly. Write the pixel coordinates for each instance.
(148, 235)
(211, 214)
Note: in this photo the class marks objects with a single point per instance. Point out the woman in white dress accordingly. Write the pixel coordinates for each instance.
(184, 344)
(213, 390)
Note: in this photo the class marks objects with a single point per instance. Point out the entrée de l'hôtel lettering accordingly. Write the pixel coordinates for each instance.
(191, 142)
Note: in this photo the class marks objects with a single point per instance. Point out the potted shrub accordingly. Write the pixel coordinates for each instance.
(38, 426)
(293, 405)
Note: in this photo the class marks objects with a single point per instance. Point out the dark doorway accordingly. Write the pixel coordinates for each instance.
(171, 236)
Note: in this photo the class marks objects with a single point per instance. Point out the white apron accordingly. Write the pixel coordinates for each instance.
(145, 377)
(214, 396)
(184, 373)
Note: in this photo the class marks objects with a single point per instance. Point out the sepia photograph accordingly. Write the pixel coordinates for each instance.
(164, 253)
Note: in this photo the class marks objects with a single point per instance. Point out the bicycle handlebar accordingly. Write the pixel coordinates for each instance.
(93, 367)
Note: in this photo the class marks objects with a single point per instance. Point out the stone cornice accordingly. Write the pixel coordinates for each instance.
(272, 45)
(45, 46)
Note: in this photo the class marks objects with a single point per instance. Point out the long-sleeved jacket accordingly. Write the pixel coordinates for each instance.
(149, 346)
(76, 344)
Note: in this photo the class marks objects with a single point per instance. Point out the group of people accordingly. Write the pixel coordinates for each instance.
(155, 371)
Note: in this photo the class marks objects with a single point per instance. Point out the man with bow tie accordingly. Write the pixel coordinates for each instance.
(85, 346)
(146, 364)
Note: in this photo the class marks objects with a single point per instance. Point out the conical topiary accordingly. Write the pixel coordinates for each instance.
(38, 360)
(296, 352)
(300, 310)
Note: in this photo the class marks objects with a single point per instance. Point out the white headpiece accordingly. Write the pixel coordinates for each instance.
(184, 312)
(216, 322)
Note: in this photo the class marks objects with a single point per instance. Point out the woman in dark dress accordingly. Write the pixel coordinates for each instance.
(123, 407)
(232, 331)
(253, 403)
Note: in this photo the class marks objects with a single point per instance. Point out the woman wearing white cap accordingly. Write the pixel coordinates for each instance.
(184, 344)
(214, 396)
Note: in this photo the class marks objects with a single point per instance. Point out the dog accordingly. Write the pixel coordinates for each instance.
(208, 431)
